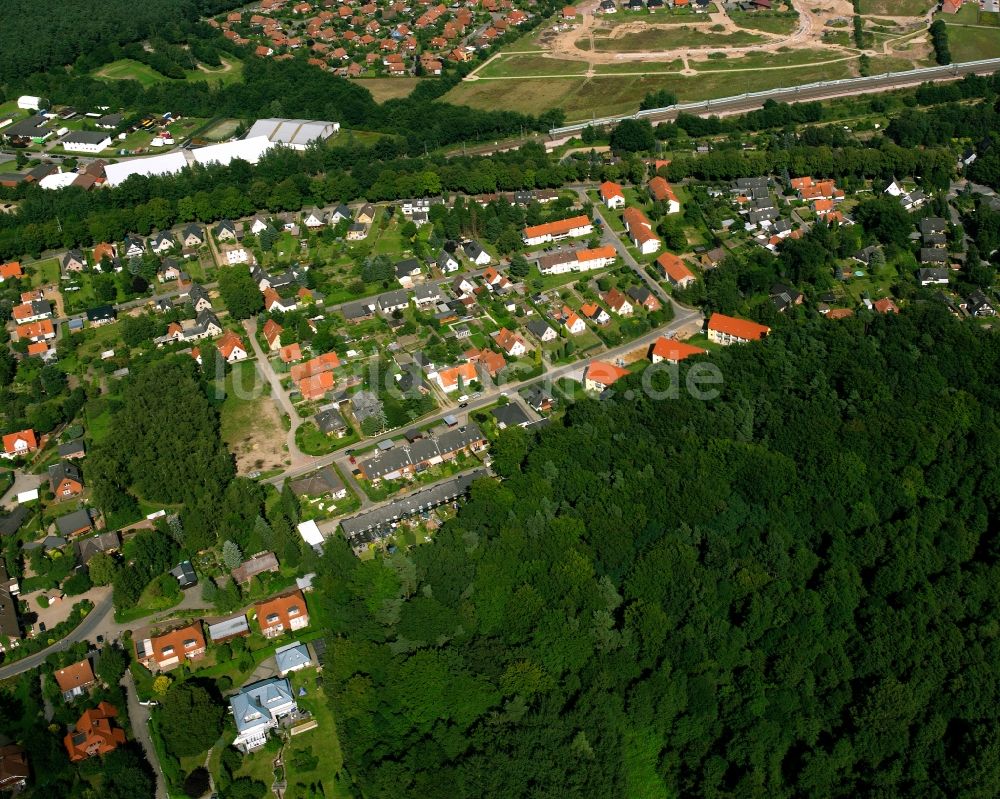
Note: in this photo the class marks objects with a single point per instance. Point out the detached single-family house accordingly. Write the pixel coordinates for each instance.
(674, 270)
(272, 334)
(94, 734)
(640, 231)
(510, 342)
(292, 657)
(595, 313)
(162, 242)
(932, 277)
(663, 192)
(193, 235)
(618, 302)
(226, 230)
(75, 679)
(134, 247)
(450, 379)
(171, 648)
(573, 323)
(65, 480)
(366, 214)
(282, 614)
(19, 444)
(446, 262)
(258, 708)
(541, 330)
(102, 315)
(73, 261)
(232, 348)
(314, 219)
(475, 253)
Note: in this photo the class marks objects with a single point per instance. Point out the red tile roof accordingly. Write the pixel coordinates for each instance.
(740, 328)
(27, 436)
(672, 350)
(94, 734)
(604, 373)
(559, 228)
(76, 675)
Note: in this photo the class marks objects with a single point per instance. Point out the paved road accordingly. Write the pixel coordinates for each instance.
(103, 612)
(139, 716)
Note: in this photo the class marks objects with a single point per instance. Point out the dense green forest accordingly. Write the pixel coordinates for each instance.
(36, 37)
(787, 591)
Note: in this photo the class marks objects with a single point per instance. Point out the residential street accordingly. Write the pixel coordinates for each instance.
(139, 716)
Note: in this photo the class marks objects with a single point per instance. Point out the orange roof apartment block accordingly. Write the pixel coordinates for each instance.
(727, 330)
(94, 734)
(552, 231)
(672, 350)
(282, 614)
(448, 379)
(316, 386)
(326, 362)
(75, 679)
(167, 650)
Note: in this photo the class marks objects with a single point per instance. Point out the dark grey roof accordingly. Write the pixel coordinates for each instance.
(184, 572)
(71, 522)
(538, 326)
(330, 421)
(933, 256)
(319, 483)
(933, 224)
(510, 415)
(87, 547)
(536, 396)
(365, 404)
(101, 313)
(12, 522)
(356, 310)
(64, 470)
(85, 137)
(372, 524)
(393, 299)
(407, 267)
(194, 230)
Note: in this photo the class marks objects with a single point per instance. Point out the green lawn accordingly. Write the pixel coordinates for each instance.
(896, 8)
(527, 65)
(972, 44)
(231, 71)
(311, 441)
(43, 272)
(769, 22)
(654, 39)
(128, 69)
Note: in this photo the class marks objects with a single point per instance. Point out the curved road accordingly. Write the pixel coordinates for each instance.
(103, 613)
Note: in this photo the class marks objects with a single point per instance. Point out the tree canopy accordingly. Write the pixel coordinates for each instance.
(787, 591)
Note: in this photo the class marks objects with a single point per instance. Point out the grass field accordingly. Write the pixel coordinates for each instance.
(526, 65)
(383, 89)
(896, 8)
(582, 98)
(971, 44)
(615, 69)
(790, 58)
(128, 69)
(250, 426)
(223, 129)
(773, 22)
(654, 39)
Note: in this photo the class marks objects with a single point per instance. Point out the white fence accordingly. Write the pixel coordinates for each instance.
(966, 67)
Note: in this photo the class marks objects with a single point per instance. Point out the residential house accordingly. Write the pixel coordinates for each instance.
(885, 306)
(617, 302)
(19, 444)
(365, 214)
(272, 334)
(595, 313)
(134, 247)
(640, 231)
(168, 649)
(14, 771)
(232, 348)
(932, 277)
(259, 224)
(978, 305)
(102, 315)
(169, 269)
(663, 192)
(292, 657)
(539, 399)
(407, 272)
(392, 301)
(510, 415)
(929, 255)
(510, 342)
(73, 261)
(475, 253)
(463, 287)
(275, 303)
(404, 461)
(104, 543)
(226, 231)
(555, 231)
(73, 449)
(321, 483)
(643, 297)
(261, 563)
(193, 236)
(356, 231)
(94, 734)
(447, 262)
(495, 281)
(75, 679)
(162, 242)
(37, 332)
(784, 297)
(599, 375)
(282, 614)
(674, 270)
(580, 261)
(11, 271)
(541, 330)
(573, 323)
(76, 523)
(672, 350)
(331, 422)
(339, 214)
(257, 709)
(199, 298)
(489, 360)
(612, 194)
(314, 219)
(426, 294)
(235, 254)
(290, 353)
(456, 377)
(227, 629)
(65, 480)
(365, 404)
(727, 330)
(32, 311)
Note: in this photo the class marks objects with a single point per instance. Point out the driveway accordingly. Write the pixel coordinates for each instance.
(23, 481)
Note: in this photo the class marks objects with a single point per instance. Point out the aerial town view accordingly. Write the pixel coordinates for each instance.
(499, 399)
